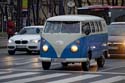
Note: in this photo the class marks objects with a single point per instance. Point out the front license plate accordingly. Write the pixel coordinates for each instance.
(20, 46)
(113, 48)
(58, 59)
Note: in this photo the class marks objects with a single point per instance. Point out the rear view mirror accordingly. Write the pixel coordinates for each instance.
(16, 33)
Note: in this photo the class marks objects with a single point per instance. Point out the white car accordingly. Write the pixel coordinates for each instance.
(28, 39)
(116, 38)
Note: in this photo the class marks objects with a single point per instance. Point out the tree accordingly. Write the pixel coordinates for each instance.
(122, 3)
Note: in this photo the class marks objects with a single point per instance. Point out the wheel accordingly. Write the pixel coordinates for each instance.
(11, 52)
(100, 61)
(86, 66)
(46, 65)
(64, 64)
(106, 54)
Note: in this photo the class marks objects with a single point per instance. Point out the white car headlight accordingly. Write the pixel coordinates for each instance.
(45, 48)
(34, 41)
(10, 41)
(74, 48)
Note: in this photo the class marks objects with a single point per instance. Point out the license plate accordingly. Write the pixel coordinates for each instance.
(58, 59)
(113, 48)
(20, 46)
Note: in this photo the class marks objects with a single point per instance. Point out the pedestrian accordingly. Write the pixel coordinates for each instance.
(10, 27)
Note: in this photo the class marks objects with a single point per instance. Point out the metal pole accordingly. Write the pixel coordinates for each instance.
(61, 8)
(28, 14)
(37, 13)
(19, 15)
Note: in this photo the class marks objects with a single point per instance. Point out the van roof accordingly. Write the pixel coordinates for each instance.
(34, 26)
(74, 18)
(118, 23)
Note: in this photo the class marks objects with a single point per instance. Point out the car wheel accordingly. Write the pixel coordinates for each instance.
(100, 61)
(11, 52)
(46, 65)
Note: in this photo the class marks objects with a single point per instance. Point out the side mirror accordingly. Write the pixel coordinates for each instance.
(87, 31)
(16, 33)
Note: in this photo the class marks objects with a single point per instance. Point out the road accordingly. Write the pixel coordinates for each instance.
(22, 68)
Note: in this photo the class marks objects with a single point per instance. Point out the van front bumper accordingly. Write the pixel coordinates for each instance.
(45, 59)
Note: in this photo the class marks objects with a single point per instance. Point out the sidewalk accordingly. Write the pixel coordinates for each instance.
(3, 42)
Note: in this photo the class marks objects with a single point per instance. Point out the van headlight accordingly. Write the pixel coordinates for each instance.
(45, 48)
(74, 48)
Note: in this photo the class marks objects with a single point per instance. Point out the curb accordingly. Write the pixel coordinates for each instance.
(2, 44)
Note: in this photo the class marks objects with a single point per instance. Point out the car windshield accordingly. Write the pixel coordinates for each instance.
(62, 27)
(29, 31)
(116, 29)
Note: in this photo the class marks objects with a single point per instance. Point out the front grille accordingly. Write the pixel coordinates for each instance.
(18, 42)
(24, 42)
(21, 41)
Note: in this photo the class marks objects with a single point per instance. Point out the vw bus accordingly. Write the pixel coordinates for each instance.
(74, 39)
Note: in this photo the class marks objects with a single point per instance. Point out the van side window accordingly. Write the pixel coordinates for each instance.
(101, 29)
(97, 24)
(86, 28)
(92, 27)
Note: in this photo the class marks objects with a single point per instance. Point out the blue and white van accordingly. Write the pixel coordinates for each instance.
(74, 39)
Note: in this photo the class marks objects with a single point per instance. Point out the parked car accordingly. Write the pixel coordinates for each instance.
(116, 39)
(28, 39)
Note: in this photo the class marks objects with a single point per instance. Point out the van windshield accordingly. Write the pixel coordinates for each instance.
(62, 27)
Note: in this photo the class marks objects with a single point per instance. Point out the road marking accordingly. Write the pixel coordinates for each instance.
(110, 80)
(23, 63)
(13, 59)
(111, 68)
(73, 79)
(16, 75)
(38, 78)
(4, 72)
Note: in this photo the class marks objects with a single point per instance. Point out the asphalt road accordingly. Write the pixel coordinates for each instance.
(22, 68)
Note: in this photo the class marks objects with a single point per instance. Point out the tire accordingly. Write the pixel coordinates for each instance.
(86, 66)
(64, 64)
(46, 65)
(106, 54)
(101, 61)
(11, 52)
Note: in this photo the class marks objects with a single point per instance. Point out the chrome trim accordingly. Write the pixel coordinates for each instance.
(65, 60)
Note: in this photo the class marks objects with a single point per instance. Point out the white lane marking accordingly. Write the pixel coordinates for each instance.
(111, 68)
(16, 75)
(23, 63)
(73, 79)
(110, 80)
(4, 72)
(38, 78)
(13, 59)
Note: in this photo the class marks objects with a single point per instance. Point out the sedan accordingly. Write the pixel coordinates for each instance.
(28, 39)
(116, 39)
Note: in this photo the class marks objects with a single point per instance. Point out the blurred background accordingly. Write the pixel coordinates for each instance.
(35, 12)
